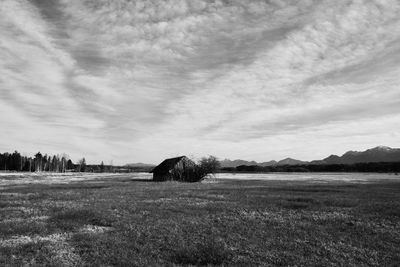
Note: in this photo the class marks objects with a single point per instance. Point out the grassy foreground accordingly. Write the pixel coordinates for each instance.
(125, 222)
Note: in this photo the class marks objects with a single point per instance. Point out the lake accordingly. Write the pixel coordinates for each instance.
(317, 177)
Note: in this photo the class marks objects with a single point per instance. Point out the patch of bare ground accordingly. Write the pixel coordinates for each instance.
(95, 229)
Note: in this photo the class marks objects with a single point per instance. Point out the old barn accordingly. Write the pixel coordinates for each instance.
(174, 169)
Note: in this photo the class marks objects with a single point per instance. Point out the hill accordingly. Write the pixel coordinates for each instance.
(290, 161)
(226, 163)
(139, 165)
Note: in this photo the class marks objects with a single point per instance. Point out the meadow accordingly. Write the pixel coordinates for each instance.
(121, 220)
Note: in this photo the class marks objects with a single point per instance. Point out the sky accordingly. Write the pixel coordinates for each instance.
(141, 80)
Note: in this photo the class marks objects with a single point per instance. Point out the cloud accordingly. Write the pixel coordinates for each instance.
(141, 80)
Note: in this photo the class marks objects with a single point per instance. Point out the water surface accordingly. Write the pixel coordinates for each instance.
(320, 177)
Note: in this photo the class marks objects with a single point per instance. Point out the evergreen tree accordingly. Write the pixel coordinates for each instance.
(102, 167)
(38, 162)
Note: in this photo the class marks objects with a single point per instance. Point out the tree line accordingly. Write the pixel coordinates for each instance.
(39, 163)
(386, 167)
(51, 163)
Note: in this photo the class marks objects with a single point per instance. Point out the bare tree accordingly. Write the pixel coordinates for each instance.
(82, 165)
(197, 172)
(209, 165)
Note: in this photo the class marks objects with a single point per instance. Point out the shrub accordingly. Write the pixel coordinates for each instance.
(209, 165)
(205, 167)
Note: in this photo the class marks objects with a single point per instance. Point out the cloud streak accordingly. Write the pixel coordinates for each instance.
(142, 80)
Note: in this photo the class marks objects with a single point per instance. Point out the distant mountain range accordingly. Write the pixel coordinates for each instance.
(238, 162)
(139, 165)
(377, 154)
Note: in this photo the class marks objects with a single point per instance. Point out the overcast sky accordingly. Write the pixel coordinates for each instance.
(142, 80)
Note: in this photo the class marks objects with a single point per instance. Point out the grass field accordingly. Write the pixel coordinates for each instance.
(120, 221)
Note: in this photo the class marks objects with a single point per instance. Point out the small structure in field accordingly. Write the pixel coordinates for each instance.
(175, 169)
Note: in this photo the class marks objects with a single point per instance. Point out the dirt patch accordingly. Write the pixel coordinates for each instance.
(95, 229)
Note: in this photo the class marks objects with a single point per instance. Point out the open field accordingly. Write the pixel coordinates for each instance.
(119, 220)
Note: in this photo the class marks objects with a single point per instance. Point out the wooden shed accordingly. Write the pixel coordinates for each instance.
(174, 169)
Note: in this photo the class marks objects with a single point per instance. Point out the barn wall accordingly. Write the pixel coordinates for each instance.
(177, 172)
(162, 177)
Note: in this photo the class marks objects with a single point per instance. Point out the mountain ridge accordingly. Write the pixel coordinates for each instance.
(139, 165)
(376, 154)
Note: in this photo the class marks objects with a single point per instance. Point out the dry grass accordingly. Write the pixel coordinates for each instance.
(124, 222)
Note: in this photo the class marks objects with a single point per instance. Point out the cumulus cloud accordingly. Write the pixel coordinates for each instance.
(142, 80)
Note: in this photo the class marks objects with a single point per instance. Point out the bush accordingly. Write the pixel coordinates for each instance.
(209, 165)
(199, 171)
